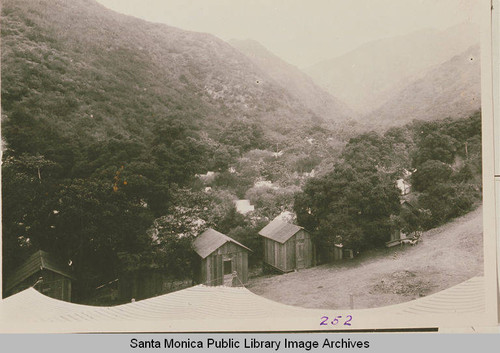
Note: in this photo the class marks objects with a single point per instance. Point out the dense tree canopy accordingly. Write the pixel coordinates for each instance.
(447, 158)
(348, 205)
(107, 121)
(357, 203)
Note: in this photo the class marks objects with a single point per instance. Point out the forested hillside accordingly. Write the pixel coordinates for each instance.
(106, 119)
(124, 139)
(300, 86)
(358, 204)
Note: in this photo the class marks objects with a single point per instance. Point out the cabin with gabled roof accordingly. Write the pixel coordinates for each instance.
(287, 247)
(44, 273)
(221, 260)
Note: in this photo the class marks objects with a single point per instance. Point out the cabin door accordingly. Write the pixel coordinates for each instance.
(228, 268)
(228, 272)
(215, 270)
(299, 251)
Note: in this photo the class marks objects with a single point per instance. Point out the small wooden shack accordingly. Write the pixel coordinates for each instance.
(396, 237)
(287, 247)
(42, 272)
(404, 186)
(337, 252)
(222, 260)
(244, 206)
(146, 283)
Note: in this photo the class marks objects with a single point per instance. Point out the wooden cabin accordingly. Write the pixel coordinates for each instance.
(348, 254)
(337, 252)
(287, 247)
(42, 272)
(244, 206)
(404, 186)
(146, 283)
(396, 237)
(222, 260)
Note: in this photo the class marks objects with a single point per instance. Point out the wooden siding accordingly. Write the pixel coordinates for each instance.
(337, 253)
(269, 252)
(290, 254)
(348, 254)
(303, 240)
(396, 237)
(147, 283)
(296, 253)
(395, 234)
(52, 285)
(212, 267)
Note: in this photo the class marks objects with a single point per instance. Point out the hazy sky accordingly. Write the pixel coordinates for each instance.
(303, 32)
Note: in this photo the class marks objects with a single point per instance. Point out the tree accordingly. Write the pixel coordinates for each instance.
(413, 219)
(435, 146)
(430, 173)
(82, 220)
(26, 184)
(367, 151)
(243, 134)
(178, 151)
(193, 212)
(271, 202)
(446, 201)
(348, 204)
(248, 235)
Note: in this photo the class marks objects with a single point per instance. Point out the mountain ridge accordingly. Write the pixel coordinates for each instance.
(288, 76)
(451, 89)
(365, 76)
(154, 70)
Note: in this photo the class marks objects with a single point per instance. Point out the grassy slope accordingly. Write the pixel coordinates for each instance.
(447, 255)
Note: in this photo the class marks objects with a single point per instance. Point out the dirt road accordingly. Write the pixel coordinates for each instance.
(447, 255)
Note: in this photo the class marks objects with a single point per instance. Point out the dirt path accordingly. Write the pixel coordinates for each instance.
(447, 255)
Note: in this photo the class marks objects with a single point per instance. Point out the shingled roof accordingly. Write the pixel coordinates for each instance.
(210, 240)
(279, 230)
(36, 262)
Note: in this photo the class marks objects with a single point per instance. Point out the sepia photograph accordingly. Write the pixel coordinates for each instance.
(267, 165)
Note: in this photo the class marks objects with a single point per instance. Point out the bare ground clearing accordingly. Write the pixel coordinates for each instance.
(446, 256)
